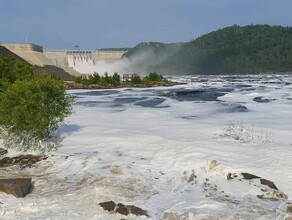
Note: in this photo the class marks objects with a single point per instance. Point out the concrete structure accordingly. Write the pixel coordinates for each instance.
(24, 47)
(57, 57)
(107, 55)
(71, 71)
(30, 52)
(72, 61)
(73, 58)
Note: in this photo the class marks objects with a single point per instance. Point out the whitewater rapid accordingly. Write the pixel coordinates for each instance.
(141, 147)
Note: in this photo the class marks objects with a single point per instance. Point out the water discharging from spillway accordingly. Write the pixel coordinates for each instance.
(85, 62)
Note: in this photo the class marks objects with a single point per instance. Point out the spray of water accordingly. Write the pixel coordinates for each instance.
(140, 62)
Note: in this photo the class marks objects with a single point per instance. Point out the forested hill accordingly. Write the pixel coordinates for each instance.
(235, 49)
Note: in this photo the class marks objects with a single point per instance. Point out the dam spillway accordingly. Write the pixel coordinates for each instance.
(83, 61)
(79, 57)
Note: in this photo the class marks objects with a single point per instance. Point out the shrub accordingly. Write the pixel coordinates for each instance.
(11, 70)
(238, 131)
(78, 80)
(106, 78)
(115, 79)
(95, 79)
(146, 80)
(136, 79)
(32, 110)
(155, 77)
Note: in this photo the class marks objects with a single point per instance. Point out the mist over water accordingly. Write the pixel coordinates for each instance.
(141, 61)
(122, 66)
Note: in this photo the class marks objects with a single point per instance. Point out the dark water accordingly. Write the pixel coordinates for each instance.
(197, 95)
(151, 103)
(210, 90)
(261, 99)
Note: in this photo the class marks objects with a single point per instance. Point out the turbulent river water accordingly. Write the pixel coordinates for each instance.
(168, 150)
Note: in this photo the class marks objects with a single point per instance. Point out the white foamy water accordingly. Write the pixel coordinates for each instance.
(153, 148)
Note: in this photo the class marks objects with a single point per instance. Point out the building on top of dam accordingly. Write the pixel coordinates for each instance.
(75, 62)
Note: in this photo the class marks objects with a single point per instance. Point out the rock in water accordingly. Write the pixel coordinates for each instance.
(18, 187)
(137, 211)
(231, 176)
(3, 151)
(249, 176)
(108, 206)
(22, 160)
(273, 196)
(268, 183)
(122, 209)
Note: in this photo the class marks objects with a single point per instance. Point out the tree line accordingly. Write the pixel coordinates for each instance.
(115, 79)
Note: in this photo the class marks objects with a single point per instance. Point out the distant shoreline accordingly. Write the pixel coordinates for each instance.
(72, 85)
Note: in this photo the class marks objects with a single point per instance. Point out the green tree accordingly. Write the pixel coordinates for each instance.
(11, 70)
(106, 78)
(5, 74)
(78, 80)
(32, 110)
(22, 71)
(146, 80)
(136, 79)
(95, 79)
(155, 77)
(116, 79)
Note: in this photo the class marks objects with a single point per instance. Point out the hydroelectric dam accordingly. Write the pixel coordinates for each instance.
(75, 62)
(83, 61)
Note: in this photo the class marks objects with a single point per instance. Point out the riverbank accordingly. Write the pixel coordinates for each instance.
(72, 85)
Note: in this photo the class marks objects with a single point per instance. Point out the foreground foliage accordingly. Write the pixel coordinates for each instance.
(32, 107)
(12, 70)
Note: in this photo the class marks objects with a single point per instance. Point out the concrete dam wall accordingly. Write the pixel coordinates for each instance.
(32, 53)
(84, 61)
(75, 62)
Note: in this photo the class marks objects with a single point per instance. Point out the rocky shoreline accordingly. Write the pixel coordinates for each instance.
(20, 187)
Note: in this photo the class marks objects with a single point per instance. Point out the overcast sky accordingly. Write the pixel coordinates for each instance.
(95, 24)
